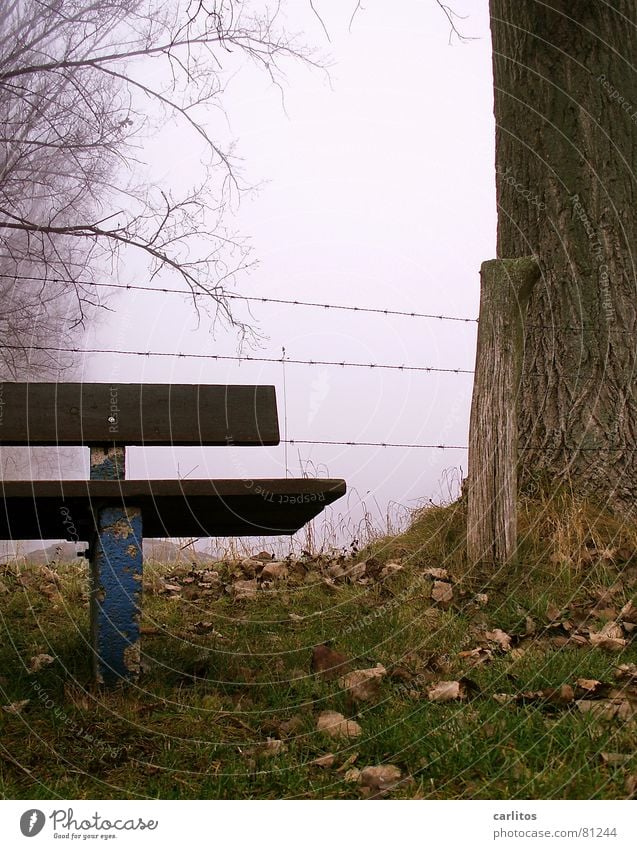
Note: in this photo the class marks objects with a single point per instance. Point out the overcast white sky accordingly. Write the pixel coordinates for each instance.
(378, 190)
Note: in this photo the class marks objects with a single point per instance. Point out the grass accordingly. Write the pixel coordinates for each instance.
(213, 694)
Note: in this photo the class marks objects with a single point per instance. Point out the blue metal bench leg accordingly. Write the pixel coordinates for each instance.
(116, 587)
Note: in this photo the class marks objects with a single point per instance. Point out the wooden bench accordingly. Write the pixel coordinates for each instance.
(113, 514)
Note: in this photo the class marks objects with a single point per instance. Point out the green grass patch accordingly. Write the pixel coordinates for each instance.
(211, 697)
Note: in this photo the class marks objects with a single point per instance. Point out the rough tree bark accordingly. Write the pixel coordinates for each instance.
(565, 83)
(505, 287)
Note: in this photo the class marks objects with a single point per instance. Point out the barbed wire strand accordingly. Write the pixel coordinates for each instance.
(522, 448)
(252, 298)
(234, 358)
(373, 444)
(577, 328)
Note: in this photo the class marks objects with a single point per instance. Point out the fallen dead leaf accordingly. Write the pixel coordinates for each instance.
(476, 656)
(363, 685)
(241, 590)
(391, 569)
(442, 592)
(576, 640)
(16, 707)
(274, 572)
(335, 725)
(627, 671)
(629, 613)
(379, 779)
(328, 663)
(552, 612)
(614, 758)
(324, 761)
(249, 567)
(352, 775)
(446, 691)
(516, 654)
(263, 556)
(607, 708)
(559, 696)
(50, 575)
(612, 630)
(588, 684)
(40, 661)
(355, 572)
(373, 567)
(500, 638)
(631, 785)
(336, 571)
(605, 613)
(609, 638)
(291, 727)
(274, 747)
(402, 674)
(589, 688)
(437, 574)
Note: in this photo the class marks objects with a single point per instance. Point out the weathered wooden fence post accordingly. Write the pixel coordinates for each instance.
(505, 287)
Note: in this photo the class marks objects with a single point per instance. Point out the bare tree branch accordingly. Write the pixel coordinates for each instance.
(358, 8)
(76, 101)
(452, 17)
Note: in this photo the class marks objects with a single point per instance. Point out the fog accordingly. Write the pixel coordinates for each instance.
(375, 189)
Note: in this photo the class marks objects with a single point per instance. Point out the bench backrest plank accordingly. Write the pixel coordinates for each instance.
(137, 414)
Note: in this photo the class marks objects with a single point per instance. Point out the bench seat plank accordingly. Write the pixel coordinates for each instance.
(170, 508)
(137, 414)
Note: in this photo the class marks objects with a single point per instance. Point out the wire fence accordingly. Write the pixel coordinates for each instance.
(233, 358)
(353, 443)
(220, 295)
(284, 360)
(248, 358)
(235, 296)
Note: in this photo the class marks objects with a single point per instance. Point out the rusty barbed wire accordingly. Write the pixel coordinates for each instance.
(235, 358)
(249, 298)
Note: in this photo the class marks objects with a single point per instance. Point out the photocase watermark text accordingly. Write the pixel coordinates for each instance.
(113, 410)
(50, 704)
(615, 96)
(520, 188)
(598, 255)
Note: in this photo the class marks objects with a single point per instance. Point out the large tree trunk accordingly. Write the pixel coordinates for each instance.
(566, 149)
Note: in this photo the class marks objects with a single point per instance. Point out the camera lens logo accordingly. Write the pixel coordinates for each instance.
(32, 822)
